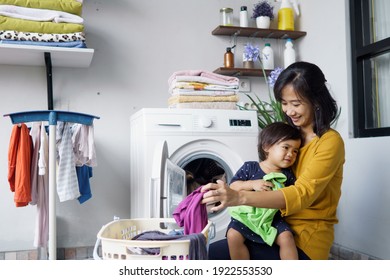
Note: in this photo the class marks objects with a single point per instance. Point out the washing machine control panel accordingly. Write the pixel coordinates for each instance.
(241, 123)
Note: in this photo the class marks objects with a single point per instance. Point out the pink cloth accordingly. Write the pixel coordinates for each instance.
(204, 74)
(191, 213)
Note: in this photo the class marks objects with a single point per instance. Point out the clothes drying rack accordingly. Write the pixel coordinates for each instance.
(52, 116)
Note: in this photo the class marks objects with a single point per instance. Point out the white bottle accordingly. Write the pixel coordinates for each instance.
(289, 54)
(244, 16)
(267, 56)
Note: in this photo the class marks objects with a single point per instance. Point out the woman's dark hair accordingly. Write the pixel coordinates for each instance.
(308, 82)
(274, 133)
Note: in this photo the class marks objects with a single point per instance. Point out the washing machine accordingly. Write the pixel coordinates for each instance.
(174, 151)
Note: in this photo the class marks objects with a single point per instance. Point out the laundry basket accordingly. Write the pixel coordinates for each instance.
(116, 244)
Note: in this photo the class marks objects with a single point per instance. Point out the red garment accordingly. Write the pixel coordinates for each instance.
(19, 164)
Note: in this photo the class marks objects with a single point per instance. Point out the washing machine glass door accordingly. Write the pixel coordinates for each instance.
(168, 183)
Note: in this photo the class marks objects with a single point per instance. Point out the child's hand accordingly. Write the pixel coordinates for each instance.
(261, 185)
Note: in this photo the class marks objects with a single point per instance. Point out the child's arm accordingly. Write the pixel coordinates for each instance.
(250, 185)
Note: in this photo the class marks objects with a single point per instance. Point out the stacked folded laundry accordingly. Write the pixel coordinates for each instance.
(42, 22)
(202, 90)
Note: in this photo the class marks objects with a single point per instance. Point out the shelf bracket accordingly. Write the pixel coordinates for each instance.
(49, 78)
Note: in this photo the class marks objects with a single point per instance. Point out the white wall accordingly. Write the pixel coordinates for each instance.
(138, 45)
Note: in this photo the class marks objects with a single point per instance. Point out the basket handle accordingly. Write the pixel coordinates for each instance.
(95, 250)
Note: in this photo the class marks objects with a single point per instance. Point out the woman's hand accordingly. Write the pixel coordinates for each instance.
(220, 192)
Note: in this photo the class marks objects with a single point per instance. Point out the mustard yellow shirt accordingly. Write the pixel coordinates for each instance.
(311, 203)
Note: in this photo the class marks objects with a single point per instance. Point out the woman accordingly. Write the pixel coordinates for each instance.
(309, 206)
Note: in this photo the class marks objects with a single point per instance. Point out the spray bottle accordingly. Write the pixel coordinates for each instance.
(286, 14)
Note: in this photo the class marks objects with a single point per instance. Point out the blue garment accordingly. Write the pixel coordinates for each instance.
(219, 250)
(83, 174)
(71, 44)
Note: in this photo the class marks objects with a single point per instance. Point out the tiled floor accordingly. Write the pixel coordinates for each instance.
(80, 253)
(83, 253)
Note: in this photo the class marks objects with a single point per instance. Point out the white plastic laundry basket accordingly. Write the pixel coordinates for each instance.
(115, 238)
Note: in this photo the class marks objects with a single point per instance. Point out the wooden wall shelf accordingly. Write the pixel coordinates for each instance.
(254, 72)
(257, 32)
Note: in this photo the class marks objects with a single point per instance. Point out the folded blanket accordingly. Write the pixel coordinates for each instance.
(201, 86)
(200, 79)
(192, 98)
(205, 105)
(69, 6)
(74, 44)
(8, 23)
(205, 74)
(39, 14)
(41, 37)
(177, 91)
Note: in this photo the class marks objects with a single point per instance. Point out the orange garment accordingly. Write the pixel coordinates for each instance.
(19, 164)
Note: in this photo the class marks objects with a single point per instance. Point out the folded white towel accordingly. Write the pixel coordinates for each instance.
(177, 91)
(39, 14)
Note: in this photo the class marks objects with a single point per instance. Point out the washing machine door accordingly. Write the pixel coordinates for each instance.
(168, 183)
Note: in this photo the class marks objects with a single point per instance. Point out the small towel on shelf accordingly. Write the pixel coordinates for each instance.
(205, 105)
(192, 98)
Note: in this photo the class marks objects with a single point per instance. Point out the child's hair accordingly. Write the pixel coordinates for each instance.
(274, 133)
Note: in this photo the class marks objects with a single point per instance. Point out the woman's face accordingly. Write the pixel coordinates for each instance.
(297, 109)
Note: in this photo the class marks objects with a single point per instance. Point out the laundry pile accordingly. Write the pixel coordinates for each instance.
(42, 22)
(202, 90)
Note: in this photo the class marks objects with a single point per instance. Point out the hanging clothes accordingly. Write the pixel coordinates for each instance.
(67, 184)
(84, 145)
(19, 164)
(42, 220)
(83, 174)
(35, 133)
(85, 158)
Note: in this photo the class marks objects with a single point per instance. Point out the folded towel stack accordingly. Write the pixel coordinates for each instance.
(202, 90)
(42, 22)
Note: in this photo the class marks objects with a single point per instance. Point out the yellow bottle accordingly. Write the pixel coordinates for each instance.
(286, 19)
(286, 15)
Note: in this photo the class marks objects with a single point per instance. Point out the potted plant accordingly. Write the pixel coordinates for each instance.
(263, 12)
(251, 54)
(267, 111)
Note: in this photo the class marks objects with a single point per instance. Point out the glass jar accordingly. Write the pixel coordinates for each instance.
(226, 16)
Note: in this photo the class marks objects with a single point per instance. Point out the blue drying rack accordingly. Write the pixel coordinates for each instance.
(52, 117)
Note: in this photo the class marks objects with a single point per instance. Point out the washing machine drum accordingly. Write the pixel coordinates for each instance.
(202, 171)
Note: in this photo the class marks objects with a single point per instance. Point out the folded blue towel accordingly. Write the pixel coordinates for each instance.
(72, 44)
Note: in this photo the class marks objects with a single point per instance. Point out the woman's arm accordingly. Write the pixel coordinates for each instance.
(229, 197)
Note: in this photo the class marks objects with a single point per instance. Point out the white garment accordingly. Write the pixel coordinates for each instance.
(84, 145)
(67, 184)
(35, 132)
(35, 14)
(42, 222)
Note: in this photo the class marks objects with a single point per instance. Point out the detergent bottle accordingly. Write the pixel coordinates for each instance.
(289, 53)
(286, 14)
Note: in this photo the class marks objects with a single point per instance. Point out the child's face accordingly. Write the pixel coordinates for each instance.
(283, 154)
